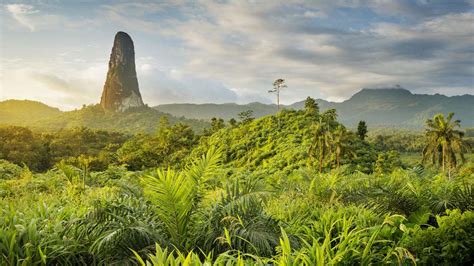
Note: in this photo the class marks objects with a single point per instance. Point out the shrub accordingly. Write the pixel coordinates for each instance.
(9, 170)
(452, 243)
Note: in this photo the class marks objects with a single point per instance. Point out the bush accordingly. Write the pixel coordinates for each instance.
(9, 170)
(452, 243)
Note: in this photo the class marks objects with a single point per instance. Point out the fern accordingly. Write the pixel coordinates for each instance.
(176, 195)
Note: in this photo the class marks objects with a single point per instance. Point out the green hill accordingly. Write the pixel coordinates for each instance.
(390, 107)
(278, 144)
(41, 116)
(23, 112)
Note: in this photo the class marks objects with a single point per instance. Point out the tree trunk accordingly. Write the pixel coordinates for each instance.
(443, 157)
(320, 160)
(278, 99)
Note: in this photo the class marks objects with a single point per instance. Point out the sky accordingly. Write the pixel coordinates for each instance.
(57, 52)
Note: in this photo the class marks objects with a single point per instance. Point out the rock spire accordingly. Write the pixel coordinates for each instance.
(121, 90)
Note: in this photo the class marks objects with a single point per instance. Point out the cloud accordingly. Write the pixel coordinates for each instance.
(49, 18)
(161, 85)
(224, 51)
(244, 45)
(21, 13)
(140, 16)
(71, 91)
(420, 9)
(63, 83)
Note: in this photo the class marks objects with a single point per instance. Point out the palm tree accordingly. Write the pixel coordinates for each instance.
(340, 140)
(321, 146)
(238, 220)
(110, 230)
(444, 141)
(176, 195)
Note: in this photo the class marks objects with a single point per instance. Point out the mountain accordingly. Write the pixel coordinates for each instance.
(398, 107)
(40, 116)
(25, 111)
(391, 108)
(121, 106)
(121, 90)
(387, 107)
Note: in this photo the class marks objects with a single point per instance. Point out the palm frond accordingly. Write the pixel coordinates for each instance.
(176, 194)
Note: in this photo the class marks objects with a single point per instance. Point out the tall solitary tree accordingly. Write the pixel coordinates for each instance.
(277, 86)
(444, 141)
(362, 130)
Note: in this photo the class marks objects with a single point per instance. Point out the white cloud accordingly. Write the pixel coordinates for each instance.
(232, 50)
(314, 14)
(21, 13)
(247, 44)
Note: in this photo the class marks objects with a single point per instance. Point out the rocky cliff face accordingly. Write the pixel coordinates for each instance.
(121, 90)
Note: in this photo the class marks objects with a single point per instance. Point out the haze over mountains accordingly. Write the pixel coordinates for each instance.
(391, 107)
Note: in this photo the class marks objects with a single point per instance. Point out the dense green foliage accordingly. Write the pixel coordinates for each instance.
(40, 151)
(294, 188)
(167, 147)
(39, 116)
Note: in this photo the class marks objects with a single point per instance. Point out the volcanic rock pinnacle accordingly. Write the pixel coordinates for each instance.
(121, 90)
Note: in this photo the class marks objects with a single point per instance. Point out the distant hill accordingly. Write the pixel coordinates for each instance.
(25, 111)
(389, 107)
(210, 110)
(38, 115)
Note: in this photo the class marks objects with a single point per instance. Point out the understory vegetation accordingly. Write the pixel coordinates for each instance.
(294, 188)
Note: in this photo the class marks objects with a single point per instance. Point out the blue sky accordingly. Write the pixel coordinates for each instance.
(231, 51)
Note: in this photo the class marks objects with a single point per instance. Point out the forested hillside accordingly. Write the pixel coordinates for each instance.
(24, 111)
(388, 107)
(294, 188)
(380, 108)
(43, 117)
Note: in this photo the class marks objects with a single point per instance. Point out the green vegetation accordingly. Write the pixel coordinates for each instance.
(24, 112)
(362, 130)
(294, 188)
(445, 142)
(44, 118)
(41, 151)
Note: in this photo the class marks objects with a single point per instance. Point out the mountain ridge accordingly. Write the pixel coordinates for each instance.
(134, 120)
(381, 107)
(384, 107)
